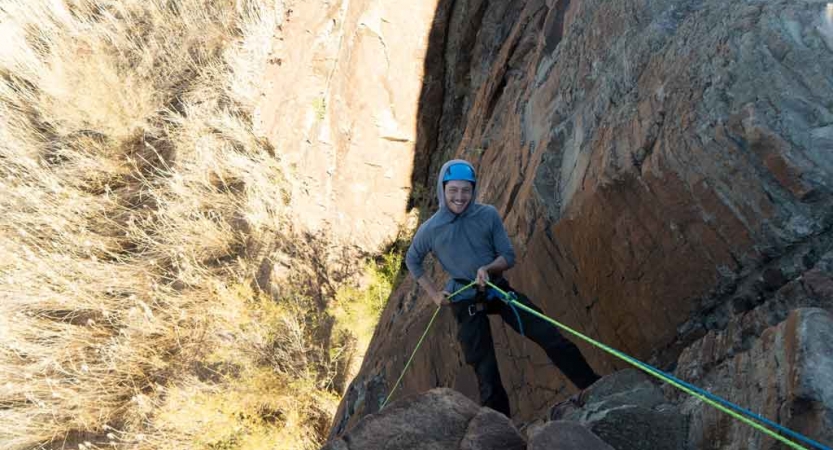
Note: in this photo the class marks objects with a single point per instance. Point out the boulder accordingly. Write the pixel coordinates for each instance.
(492, 430)
(627, 411)
(786, 376)
(440, 419)
(566, 435)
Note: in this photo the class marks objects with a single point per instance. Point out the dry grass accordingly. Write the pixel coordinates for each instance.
(132, 192)
(357, 309)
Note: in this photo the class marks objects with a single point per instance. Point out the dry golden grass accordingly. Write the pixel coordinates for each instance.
(132, 194)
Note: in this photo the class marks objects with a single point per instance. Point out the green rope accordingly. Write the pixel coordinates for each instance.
(424, 333)
(650, 370)
(630, 360)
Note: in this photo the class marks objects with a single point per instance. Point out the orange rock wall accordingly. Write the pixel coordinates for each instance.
(659, 165)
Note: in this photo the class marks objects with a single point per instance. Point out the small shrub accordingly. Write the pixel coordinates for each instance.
(319, 106)
(357, 309)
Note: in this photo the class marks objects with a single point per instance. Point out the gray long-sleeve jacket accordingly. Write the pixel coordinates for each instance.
(461, 242)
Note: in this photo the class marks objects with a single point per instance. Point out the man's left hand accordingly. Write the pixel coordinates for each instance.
(482, 277)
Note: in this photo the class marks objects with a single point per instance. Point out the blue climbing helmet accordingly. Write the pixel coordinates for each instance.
(459, 171)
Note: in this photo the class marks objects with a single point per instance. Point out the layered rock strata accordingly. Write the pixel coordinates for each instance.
(664, 169)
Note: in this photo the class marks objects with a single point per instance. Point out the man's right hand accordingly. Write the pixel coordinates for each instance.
(441, 298)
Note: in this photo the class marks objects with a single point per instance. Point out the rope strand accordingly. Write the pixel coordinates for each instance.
(419, 343)
(705, 396)
(725, 406)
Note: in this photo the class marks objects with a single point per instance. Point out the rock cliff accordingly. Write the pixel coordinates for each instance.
(623, 411)
(340, 101)
(665, 171)
(627, 410)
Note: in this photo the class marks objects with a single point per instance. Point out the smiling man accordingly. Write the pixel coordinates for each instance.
(470, 242)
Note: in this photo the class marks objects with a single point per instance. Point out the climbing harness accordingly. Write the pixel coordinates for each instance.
(493, 295)
(744, 415)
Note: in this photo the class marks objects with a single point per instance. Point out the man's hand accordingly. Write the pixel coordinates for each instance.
(482, 277)
(441, 298)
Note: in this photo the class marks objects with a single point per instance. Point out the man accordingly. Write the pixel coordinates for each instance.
(470, 242)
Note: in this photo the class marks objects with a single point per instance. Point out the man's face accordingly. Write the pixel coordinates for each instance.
(458, 195)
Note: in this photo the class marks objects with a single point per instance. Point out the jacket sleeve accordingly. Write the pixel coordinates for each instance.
(500, 240)
(420, 246)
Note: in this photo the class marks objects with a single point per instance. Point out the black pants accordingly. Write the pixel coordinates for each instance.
(475, 336)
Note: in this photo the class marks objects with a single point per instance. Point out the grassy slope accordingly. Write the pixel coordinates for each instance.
(133, 192)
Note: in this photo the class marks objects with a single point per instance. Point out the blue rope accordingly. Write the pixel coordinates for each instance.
(517, 315)
(509, 298)
(493, 294)
(734, 407)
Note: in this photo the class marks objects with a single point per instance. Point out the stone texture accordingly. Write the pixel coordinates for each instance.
(491, 429)
(662, 168)
(566, 435)
(437, 420)
(786, 375)
(627, 411)
(440, 419)
(631, 427)
(626, 387)
(629, 387)
(339, 104)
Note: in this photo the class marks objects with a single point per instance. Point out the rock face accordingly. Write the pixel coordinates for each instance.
(621, 411)
(628, 411)
(786, 375)
(339, 104)
(438, 419)
(444, 419)
(665, 172)
(566, 435)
